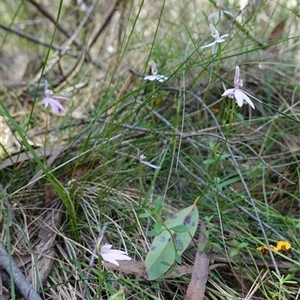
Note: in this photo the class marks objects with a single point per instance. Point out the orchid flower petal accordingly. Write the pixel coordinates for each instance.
(112, 255)
(146, 163)
(46, 86)
(60, 97)
(228, 13)
(216, 36)
(209, 45)
(154, 75)
(236, 80)
(214, 31)
(247, 99)
(214, 15)
(238, 93)
(53, 101)
(223, 36)
(229, 93)
(160, 78)
(239, 96)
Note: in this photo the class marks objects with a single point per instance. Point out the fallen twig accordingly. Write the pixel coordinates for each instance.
(20, 280)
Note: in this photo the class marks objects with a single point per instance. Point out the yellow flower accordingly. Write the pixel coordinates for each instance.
(283, 246)
(264, 249)
(215, 110)
(158, 101)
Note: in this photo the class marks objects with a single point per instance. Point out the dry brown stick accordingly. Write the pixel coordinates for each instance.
(34, 38)
(46, 13)
(20, 280)
(105, 23)
(67, 44)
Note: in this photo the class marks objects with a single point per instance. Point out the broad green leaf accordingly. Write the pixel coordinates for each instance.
(144, 215)
(188, 217)
(158, 228)
(170, 243)
(160, 257)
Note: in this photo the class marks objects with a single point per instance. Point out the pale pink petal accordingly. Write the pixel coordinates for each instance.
(48, 93)
(150, 165)
(46, 101)
(228, 13)
(221, 39)
(118, 254)
(107, 257)
(112, 255)
(248, 100)
(209, 45)
(153, 69)
(60, 97)
(160, 78)
(219, 4)
(105, 248)
(214, 48)
(216, 36)
(214, 15)
(239, 96)
(214, 31)
(150, 77)
(46, 86)
(53, 101)
(236, 80)
(141, 159)
(229, 93)
(154, 75)
(56, 106)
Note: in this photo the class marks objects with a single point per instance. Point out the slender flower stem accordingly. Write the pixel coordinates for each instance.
(100, 276)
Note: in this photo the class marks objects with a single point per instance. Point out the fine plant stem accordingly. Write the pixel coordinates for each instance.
(100, 278)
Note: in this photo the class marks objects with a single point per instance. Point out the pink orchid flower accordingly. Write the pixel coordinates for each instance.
(53, 101)
(112, 255)
(154, 75)
(142, 161)
(237, 93)
(217, 37)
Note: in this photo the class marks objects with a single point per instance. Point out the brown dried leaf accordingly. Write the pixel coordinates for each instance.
(196, 288)
(40, 152)
(138, 268)
(274, 37)
(276, 33)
